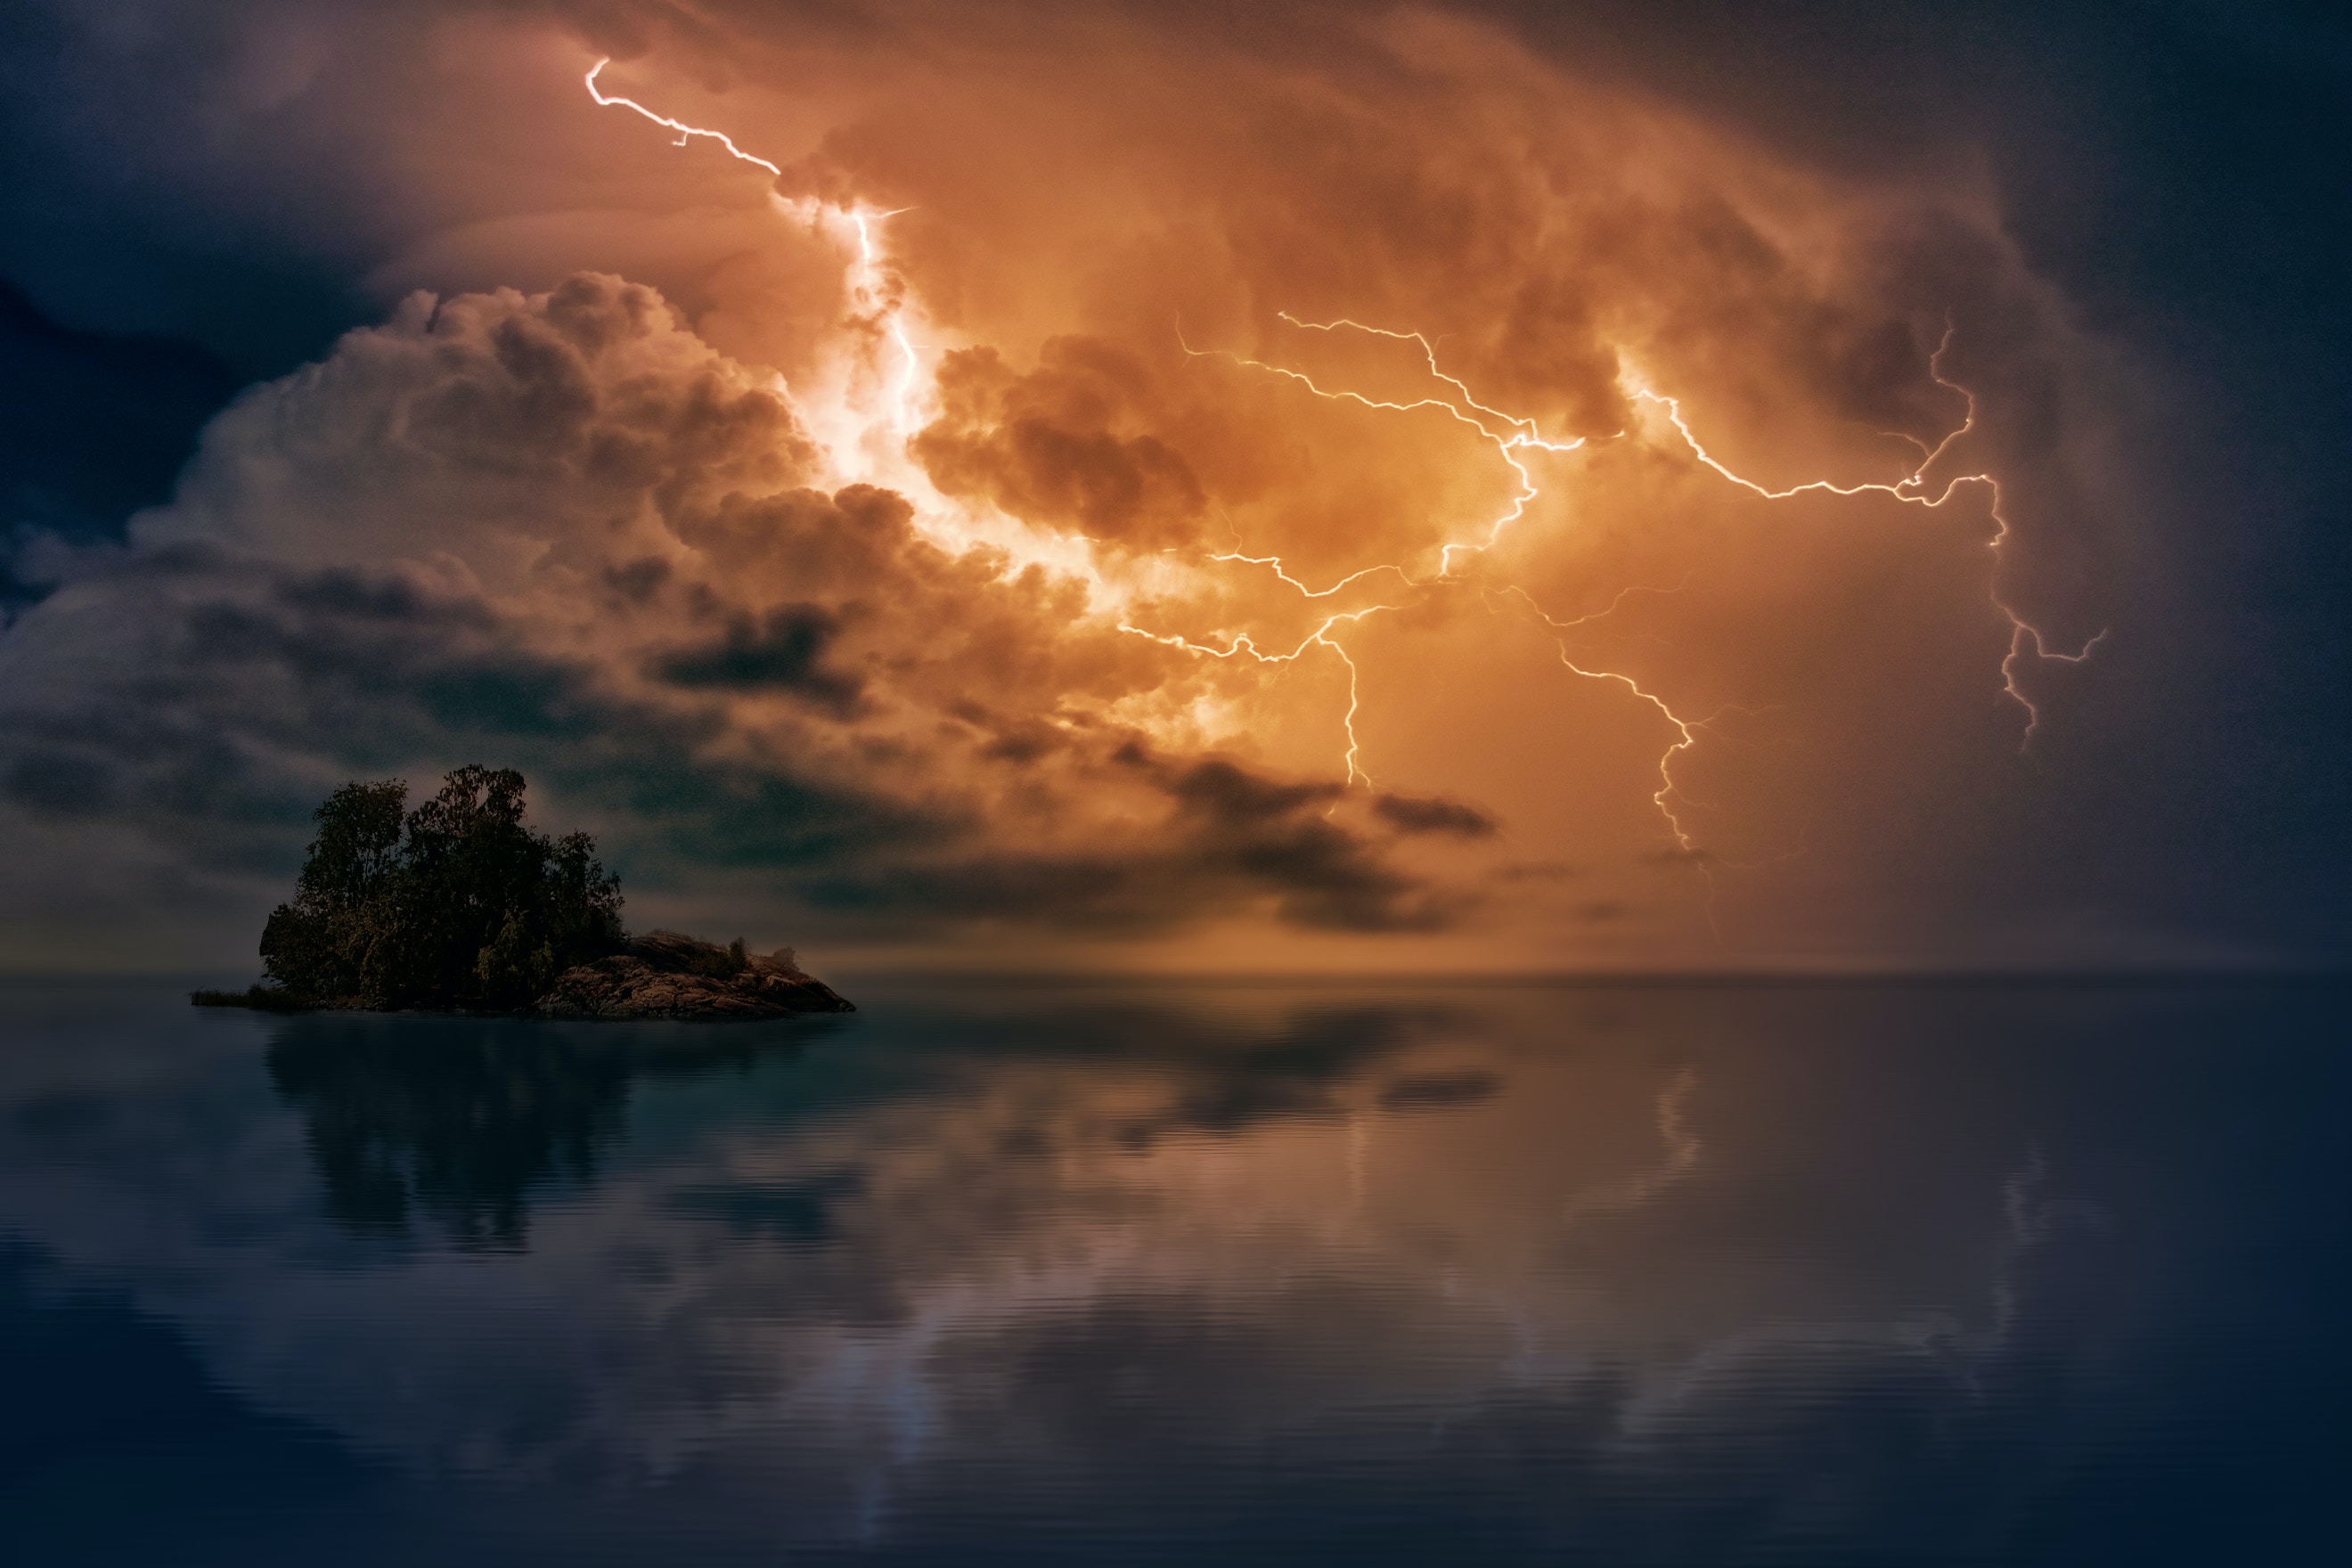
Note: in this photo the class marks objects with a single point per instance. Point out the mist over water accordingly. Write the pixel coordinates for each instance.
(1108, 1273)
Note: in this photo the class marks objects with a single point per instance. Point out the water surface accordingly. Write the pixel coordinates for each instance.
(1801, 1275)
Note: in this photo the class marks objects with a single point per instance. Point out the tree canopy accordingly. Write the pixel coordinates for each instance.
(454, 905)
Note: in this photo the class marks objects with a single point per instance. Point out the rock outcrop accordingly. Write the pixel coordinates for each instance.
(665, 975)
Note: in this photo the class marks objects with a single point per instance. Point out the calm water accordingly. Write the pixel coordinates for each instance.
(1248, 1275)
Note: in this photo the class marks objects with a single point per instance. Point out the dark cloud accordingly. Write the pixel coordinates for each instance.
(1410, 814)
(211, 680)
(1234, 837)
(1231, 797)
(783, 651)
(1269, 833)
(352, 670)
(637, 582)
(1317, 876)
(60, 781)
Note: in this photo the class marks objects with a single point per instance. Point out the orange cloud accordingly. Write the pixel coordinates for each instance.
(1234, 496)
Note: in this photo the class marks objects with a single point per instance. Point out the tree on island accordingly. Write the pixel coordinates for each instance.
(456, 905)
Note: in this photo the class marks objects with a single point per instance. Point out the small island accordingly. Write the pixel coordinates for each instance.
(459, 907)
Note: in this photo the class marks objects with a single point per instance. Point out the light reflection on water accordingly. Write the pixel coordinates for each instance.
(1099, 1274)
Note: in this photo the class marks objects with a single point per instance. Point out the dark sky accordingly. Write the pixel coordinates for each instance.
(2180, 169)
(2175, 172)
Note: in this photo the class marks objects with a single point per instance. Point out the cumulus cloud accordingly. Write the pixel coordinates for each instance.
(562, 528)
(1046, 447)
(1245, 486)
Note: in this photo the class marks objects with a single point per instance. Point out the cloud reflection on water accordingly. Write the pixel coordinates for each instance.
(1642, 1273)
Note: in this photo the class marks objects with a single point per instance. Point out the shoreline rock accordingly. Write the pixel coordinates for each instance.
(664, 974)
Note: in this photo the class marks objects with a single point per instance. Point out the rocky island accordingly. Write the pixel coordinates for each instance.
(665, 975)
(457, 907)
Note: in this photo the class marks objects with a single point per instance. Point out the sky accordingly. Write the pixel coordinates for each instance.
(1484, 488)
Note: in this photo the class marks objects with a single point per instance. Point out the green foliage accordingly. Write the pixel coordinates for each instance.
(454, 905)
(338, 939)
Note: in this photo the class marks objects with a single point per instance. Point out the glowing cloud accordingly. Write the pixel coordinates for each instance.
(1512, 439)
(1075, 510)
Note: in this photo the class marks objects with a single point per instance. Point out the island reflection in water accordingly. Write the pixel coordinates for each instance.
(1248, 1274)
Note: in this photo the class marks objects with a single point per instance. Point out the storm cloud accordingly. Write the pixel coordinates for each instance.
(1269, 480)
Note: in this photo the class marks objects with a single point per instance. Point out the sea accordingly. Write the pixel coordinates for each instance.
(1010, 1272)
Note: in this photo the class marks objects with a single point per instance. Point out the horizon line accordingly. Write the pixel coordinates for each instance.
(1612, 979)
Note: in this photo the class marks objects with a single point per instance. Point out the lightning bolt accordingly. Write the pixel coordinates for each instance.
(1519, 434)
(1513, 437)
(684, 132)
(1304, 591)
(867, 283)
(1511, 434)
(1319, 636)
(1686, 729)
(1913, 489)
(910, 369)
